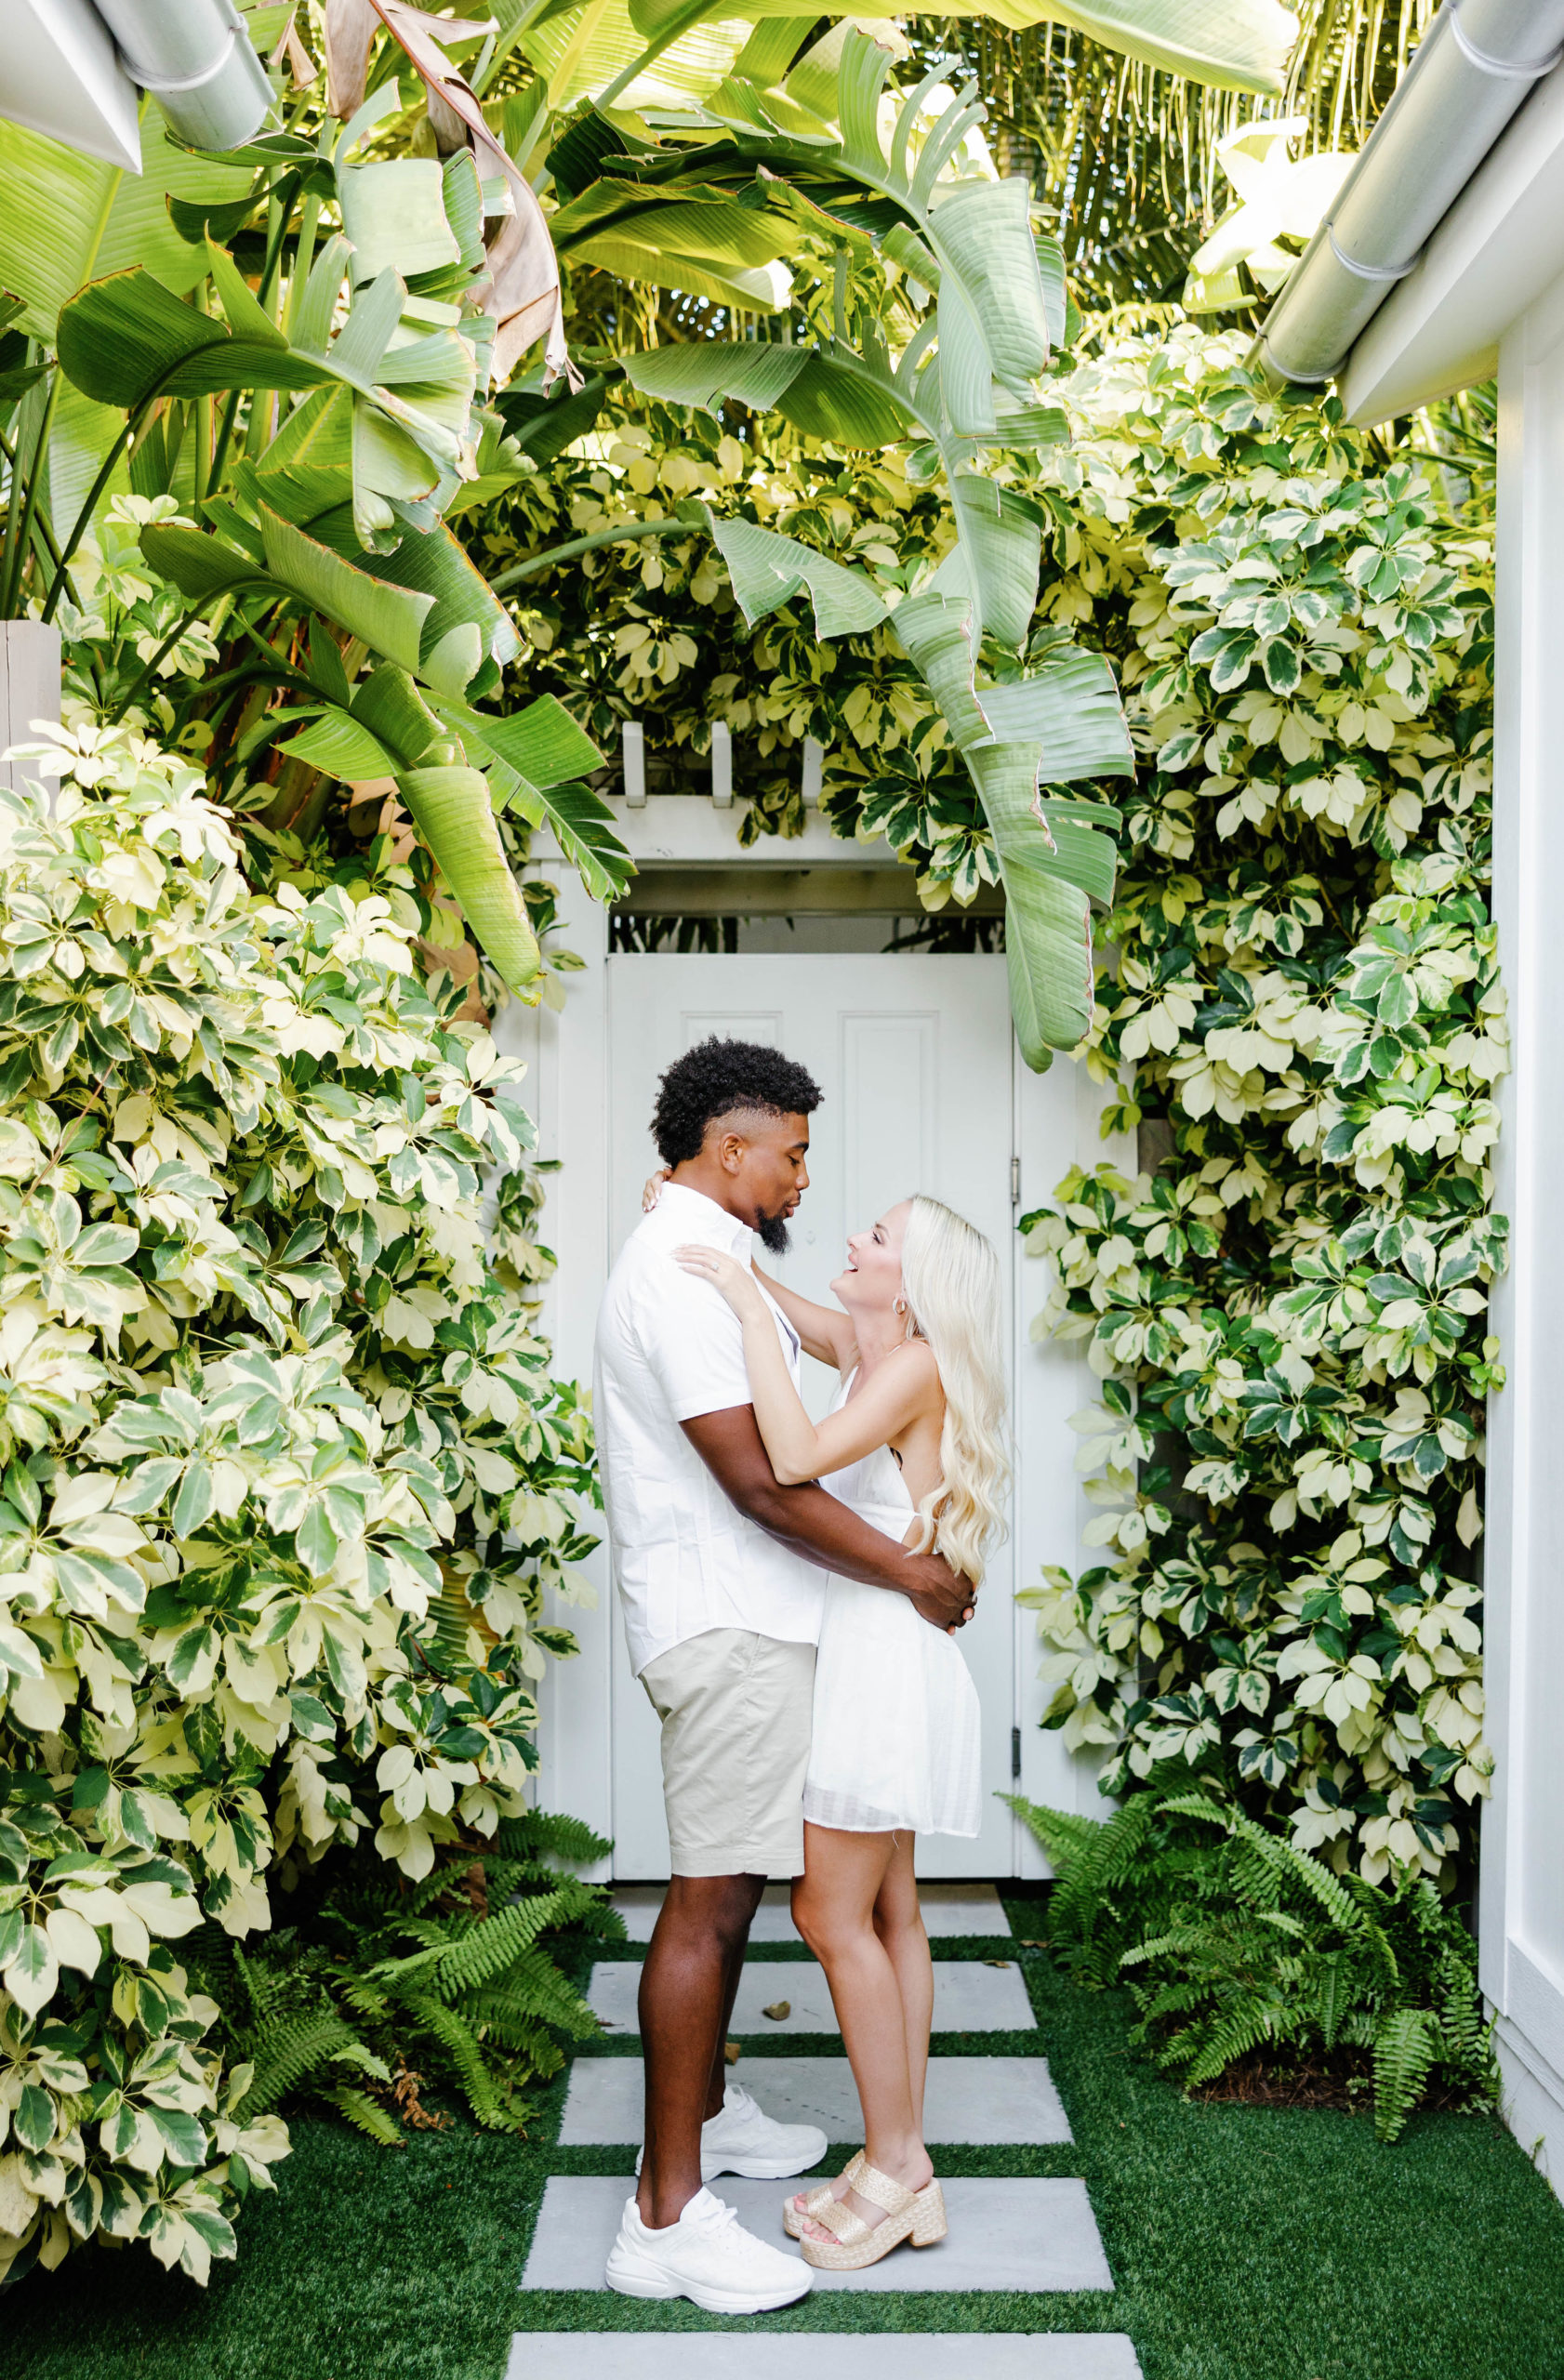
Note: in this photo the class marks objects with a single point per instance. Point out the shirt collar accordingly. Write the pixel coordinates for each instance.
(682, 1213)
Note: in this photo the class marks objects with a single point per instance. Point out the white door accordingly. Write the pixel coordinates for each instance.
(913, 1056)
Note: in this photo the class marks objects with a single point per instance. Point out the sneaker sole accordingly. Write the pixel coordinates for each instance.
(710, 2301)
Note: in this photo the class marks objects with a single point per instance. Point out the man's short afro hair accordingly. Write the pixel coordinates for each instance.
(718, 1077)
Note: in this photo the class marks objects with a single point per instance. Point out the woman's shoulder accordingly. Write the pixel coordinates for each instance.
(916, 1367)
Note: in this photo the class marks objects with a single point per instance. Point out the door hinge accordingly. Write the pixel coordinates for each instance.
(1015, 1181)
(1014, 1753)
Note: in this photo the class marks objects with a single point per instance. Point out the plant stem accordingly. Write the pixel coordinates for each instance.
(507, 43)
(116, 454)
(44, 538)
(219, 453)
(691, 14)
(18, 511)
(529, 569)
(303, 257)
(137, 683)
(273, 254)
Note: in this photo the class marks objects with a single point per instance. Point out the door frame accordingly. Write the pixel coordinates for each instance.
(1056, 1124)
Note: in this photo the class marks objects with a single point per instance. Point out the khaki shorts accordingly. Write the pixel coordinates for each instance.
(736, 1711)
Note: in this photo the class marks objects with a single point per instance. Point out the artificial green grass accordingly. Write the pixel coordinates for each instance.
(1246, 2243)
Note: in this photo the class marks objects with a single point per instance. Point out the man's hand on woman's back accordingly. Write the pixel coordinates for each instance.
(815, 1524)
(947, 1600)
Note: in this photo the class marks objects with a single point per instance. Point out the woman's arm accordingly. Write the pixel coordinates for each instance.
(825, 1331)
(811, 1522)
(898, 1391)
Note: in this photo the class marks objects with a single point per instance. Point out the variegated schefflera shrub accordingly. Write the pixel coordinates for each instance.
(1302, 998)
(286, 1475)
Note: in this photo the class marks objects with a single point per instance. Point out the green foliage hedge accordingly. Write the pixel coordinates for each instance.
(285, 1471)
(1288, 1313)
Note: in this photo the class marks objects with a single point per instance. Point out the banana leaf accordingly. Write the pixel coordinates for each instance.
(1048, 916)
(450, 806)
(767, 570)
(1238, 44)
(68, 219)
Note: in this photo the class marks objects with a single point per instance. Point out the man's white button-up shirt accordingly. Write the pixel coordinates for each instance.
(668, 1348)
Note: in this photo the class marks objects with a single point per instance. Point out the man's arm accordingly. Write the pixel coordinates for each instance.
(812, 1522)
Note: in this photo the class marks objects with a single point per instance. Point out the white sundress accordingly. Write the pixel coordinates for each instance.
(896, 1721)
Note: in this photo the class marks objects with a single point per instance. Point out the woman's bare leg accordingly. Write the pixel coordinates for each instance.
(898, 1921)
(833, 1907)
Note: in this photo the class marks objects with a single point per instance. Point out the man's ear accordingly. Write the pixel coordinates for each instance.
(730, 1152)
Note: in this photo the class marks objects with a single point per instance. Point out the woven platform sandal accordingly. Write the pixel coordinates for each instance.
(917, 2215)
(794, 2217)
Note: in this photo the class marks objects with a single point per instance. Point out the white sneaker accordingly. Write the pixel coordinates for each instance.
(707, 2256)
(741, 2138)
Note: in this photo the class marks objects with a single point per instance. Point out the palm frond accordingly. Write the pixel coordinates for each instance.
(1124, 155)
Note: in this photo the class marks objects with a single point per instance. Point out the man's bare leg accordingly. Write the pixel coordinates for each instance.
(717, 2089)
(687, 1988)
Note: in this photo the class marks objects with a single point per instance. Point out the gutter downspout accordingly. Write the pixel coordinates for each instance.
(195, 59)
(1479, 63)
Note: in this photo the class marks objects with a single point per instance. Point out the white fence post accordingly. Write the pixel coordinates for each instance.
(635, 764)
(722, 766)
(29, 672)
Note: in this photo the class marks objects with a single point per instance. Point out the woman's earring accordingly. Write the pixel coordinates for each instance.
(901, 1305)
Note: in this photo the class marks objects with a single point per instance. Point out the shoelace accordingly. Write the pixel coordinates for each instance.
(721, 2218)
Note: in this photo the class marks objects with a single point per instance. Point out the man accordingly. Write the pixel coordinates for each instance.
(722, 1577)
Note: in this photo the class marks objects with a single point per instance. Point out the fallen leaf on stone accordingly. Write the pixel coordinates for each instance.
(732, 2052)
(998, 1963)
(778, 2010)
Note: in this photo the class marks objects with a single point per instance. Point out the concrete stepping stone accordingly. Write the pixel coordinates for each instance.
(976, 2101)
(1023, 2234)
(970, 1997)
(848, 2355)
(948, 1909)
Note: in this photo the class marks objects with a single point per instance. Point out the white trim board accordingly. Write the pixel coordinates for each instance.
(1499, 248)
(689, 830)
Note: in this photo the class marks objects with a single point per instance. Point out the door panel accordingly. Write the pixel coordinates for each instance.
(912, 1054)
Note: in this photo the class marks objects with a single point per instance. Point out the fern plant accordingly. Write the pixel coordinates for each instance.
(388, 1988)
(1232, 1941)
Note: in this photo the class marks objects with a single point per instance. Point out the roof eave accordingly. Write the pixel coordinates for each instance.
(1499, 248)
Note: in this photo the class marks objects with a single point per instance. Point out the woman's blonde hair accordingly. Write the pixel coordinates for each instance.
(950, 1278)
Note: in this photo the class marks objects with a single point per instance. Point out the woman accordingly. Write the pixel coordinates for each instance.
(913, 1443)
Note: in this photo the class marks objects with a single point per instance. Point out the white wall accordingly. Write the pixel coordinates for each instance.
(1522, 1886)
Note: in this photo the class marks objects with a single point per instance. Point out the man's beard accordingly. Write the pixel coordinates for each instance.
(771, 1233)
